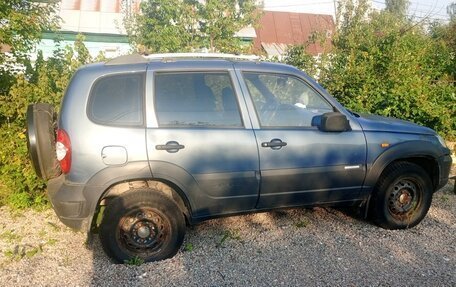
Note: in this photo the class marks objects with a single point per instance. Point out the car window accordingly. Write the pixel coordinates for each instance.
(283, 100)
(117, 100)
(190, 99)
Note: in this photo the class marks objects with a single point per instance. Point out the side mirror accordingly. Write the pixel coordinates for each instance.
(333, 122)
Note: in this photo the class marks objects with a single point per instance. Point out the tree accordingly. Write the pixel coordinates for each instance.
(21, 25)
(220, 20)
(186, 25)
(386, 64)
(163, 25)
(398, 8)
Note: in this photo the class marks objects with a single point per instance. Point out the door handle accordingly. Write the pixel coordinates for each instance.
(171, 146)
(274, 144)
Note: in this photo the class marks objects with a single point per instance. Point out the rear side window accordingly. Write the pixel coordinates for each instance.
(202, 99)
(117, 100)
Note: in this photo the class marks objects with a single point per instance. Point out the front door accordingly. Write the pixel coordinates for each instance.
(203, 143)
(299, 163)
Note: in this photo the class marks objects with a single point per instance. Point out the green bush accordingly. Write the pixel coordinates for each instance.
(44, 81)
(386, 64)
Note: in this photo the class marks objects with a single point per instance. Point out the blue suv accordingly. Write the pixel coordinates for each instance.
(143, 146)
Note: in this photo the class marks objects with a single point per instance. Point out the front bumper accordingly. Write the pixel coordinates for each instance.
(69, 203)
(444, 170)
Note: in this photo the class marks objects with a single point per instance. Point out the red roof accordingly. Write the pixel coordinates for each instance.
(292, 29)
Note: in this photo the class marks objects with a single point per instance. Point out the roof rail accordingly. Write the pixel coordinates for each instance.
(127, 59)
(201, 55)
(140, 59)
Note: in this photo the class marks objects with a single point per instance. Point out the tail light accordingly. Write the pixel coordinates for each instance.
(63, 150)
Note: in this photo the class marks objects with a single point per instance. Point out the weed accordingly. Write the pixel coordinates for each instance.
(445, 198)
(188, 247)
(100, 213)
(42, 233)
(10, 254)
(40, 202)
(10, 236)
(134, 261)
(228, 234)
(51, 242)
(54, 226)
(66, 260)
(302, 223)
(19, 200)
(21, 251)
(33, 251)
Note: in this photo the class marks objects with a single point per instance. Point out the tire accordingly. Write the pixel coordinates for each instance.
(142, 223)
(41, 127)
(402, 196)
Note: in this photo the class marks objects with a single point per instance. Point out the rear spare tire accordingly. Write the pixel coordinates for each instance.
(41, 127)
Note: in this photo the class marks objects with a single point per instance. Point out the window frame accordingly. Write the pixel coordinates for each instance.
(243, 72)
(233, 87)
(89, 110)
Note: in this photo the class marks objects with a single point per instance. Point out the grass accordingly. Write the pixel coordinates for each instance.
(303, 222)
(23, 251)
(134, 261)
(444, 198)
(54, 226)
(229, 235)
(10, 237)
(188, 247)
(33, 251)
(51, 241)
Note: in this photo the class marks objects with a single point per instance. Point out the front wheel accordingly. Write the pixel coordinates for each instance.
(142, 223)
(402, 196)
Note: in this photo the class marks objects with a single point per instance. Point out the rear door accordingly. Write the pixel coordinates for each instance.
(202, 141)
(299, 163)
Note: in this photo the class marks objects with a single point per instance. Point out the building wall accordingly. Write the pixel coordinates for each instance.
(100, 21)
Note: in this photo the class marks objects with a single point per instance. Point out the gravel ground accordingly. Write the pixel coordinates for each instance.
(316, 247)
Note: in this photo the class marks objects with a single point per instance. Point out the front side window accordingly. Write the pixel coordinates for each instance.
(117, 100)
(202, 99)
(283, 100)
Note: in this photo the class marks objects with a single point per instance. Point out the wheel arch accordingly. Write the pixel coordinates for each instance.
(164, 187)
(116, 180)
(421, 153)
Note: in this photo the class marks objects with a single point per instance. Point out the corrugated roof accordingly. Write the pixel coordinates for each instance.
(287, 28)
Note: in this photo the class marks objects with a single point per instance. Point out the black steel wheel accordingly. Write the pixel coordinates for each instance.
(402, 196)
(142, 223)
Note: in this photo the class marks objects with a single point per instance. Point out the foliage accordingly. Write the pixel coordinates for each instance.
(20, 28)
(220, 20)
(229, 235)
(134, 261)
(188, 247)
(45, 81)
(186, 25)
(386, 64)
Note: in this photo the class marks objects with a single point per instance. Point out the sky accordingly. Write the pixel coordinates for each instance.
(433, 9)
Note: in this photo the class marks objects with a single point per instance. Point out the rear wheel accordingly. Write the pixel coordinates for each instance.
(142, 223)
(402, 196)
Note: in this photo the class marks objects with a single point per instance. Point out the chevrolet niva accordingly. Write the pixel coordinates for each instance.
(143, 146)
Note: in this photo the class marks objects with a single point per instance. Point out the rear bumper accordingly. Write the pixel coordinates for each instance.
(444, 170)
(69, 203)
